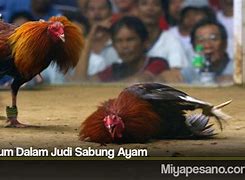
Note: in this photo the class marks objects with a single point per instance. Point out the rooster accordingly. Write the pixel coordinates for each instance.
(150, 110)
(27, 50)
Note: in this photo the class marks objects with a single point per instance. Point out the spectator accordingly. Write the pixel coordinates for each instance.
(129, 37)
(130, 8)
(98, 52)
(162, 43)
(82, 5)
(125, 7)
(189, 16)
(173, 11)
(81, 21)
(225, 16)
(213, 37)
(97, 11)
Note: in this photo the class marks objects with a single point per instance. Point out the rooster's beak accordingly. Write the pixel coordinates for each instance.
(111, 129)
(62, 37)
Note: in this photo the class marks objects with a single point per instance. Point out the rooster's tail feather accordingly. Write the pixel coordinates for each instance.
(219, 114)
(198, 125)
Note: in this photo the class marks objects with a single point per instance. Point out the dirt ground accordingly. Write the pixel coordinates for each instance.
(59, 111)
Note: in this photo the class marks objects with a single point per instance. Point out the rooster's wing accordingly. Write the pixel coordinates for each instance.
(164, 98)
(156, 92)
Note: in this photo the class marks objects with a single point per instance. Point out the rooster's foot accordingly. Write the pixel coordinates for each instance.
(14, 123)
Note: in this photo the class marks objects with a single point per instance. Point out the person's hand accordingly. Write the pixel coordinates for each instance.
(100, 27)
(106, 24)
(99, 35)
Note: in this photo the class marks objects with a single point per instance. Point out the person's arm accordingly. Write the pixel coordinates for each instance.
(81, 70)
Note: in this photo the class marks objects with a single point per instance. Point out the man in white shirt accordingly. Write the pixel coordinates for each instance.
(190, 15)
(168, 47)
(225, 16)
(161, 43)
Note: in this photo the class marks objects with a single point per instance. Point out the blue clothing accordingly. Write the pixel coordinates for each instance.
(10, 7)
(5, 79)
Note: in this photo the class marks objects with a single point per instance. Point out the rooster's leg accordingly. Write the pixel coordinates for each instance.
(12, 112)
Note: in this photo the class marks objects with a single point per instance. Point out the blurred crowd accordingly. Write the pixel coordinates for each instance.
(139, 40)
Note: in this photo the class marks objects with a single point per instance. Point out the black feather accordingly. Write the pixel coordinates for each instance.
(156, 91)
(171, 105)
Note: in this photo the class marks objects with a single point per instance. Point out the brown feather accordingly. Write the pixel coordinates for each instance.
(93, 127)
(68, 58)
(32, 48)
(141, 122)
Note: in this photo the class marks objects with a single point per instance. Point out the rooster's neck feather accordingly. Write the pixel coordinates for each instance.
(32, 46)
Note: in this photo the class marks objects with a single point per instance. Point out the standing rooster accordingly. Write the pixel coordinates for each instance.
(150, 110)
(27, 50)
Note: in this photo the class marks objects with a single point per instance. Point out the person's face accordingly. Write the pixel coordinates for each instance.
(191, 18)
(124, 4)
(98, 10)
(82, 4)
(210, 38)
(174, 8)
(128, 45)
(150, 11)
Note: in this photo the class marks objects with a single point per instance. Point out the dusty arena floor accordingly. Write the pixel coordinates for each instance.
(59, 111)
